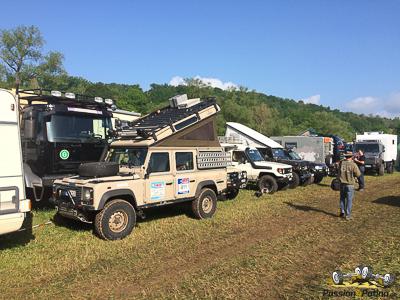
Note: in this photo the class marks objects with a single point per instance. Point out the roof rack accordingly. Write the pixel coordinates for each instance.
(168, 120)
(54, 97)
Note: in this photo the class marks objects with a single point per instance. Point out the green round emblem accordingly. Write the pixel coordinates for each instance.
(64, 154)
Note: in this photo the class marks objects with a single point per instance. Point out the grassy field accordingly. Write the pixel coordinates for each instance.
(281, 246)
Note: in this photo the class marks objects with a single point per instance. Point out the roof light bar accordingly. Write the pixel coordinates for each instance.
(109, 101)
(56, 93)
(98, 99)
(70, 95)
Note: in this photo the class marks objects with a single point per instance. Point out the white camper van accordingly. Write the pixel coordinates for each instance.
(14, 206)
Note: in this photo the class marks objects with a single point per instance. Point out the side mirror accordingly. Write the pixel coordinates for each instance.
(30, 118)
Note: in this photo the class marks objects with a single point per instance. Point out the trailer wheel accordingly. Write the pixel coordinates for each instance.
(268, 184)
(381, 170)
(205, 205)
(295, 182)
(116, 220)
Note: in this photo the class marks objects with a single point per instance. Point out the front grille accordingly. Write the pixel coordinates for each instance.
(287, 170)
(75, 192)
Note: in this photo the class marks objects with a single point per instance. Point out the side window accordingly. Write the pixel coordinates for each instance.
(238, 156)
(184, 161)
(159, 162)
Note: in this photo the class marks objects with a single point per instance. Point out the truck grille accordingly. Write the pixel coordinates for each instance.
(287, 170)
(75, 192)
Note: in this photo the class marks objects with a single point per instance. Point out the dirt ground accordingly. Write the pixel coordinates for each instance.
(281, 246)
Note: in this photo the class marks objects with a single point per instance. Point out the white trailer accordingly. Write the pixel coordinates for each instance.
(124, 116)
(380, 150)
(14, 207)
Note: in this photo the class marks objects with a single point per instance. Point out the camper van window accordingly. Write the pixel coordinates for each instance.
(368, 148)
(127, 156)
(294, 155)
(254, 155)
(75, 127)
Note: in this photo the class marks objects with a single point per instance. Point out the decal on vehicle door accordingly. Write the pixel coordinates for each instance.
(64, 154)
(157, 190)
(183, 186)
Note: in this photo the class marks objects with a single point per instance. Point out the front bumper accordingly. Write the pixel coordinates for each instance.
(237, 180)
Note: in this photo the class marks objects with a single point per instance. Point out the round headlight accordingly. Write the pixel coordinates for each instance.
(87, 194)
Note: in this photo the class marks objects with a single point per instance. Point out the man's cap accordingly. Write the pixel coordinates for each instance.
(348, 154)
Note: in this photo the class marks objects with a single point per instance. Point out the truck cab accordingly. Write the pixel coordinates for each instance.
(59, 131)
(380, 151)
(169, 156)
(14, 207)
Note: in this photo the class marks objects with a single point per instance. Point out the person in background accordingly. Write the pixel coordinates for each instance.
(348, 171)
(359, 159)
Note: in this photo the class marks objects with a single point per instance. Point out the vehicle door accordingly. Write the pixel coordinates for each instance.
(11, 176)
(159, 182)
(185, 180)
(240, 161)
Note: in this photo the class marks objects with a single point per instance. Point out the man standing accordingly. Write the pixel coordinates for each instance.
(359, 159)
(348, 171)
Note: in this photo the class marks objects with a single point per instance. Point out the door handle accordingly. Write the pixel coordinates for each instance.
(193, 180)
(169, 183)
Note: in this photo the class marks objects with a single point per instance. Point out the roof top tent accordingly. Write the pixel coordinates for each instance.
(185, 122)
(59, 131)
(312, 148)
(13, 204)
(249, 136)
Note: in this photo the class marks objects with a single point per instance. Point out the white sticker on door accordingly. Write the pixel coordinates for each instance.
(157, 190)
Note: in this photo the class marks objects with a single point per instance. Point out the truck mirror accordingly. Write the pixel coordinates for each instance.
(30, 124)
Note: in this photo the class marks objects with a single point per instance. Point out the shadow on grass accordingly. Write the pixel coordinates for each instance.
(307, 208)
(323, 184)
(389, 200)
(19, 238)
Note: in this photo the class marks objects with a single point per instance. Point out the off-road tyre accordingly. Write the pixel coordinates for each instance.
(267, 183)
(107, 222)
(295, 182)
(232, 194)
(381, 170)
(98, 169)
(205, 205)
(318, 178)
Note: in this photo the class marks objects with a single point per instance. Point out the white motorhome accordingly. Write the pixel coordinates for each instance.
(14, 207)
(380, 150)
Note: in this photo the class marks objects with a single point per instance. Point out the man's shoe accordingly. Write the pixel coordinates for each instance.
(348, 218)
(341, 215)
(361, 190)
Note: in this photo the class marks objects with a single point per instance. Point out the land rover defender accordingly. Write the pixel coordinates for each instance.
(169, 156)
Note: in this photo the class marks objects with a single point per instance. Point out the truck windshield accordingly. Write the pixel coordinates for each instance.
(254, 155)
(369, 148)
(82, 128)
(294, 155)
(279, 153)
(127, 156)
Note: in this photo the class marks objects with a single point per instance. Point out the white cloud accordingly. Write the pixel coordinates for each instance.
(312, 99)
(209, 81)
(388, 107)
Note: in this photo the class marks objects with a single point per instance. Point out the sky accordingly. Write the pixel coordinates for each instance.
(343, 54)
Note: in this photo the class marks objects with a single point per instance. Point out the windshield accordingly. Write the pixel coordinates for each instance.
(371, 148)
(77, 127)
(279, 153)
(254, 155)
(294, 155)
(127, 156)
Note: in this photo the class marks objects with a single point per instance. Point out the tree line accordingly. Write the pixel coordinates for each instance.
(24, 65)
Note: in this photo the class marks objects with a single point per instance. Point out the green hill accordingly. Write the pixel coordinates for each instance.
(268, 114)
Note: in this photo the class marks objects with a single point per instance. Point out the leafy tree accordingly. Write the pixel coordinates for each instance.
(21, 53)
